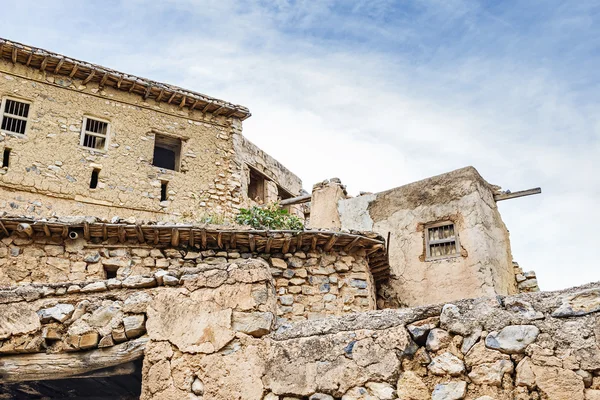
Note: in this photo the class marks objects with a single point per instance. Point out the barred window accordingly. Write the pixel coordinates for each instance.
(94, 134)
(14, 116)
(441, 240)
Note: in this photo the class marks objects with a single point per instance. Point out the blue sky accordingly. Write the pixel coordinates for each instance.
(383, 93)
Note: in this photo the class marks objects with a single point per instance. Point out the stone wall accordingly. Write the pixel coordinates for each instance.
(56, 180)
(484, 265)
(526, 281)
(309, 285)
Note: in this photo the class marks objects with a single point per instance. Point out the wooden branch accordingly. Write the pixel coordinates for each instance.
(191, 239)
(29, 59)
(4, 229)
(119, 82)
(46, 230)
(268, 245)
(183, 100)
(122, 234)
(331, 242)
(252, 242)
(175, 237)
(65, 232)
(89, 77)
(351, 244)
(296, 200)
(220, 240)
(104, 232)
(60, 63)
(194, 105)
(514, 195)
(156, 237)
(299, 242)
(86, 231)
(43, 366)
(286, 245)
(218, 111)
(132, 86)
(313, 244)
(204, 239)
(160, 94)
(14, 55)
(233, 240)
(73, 71)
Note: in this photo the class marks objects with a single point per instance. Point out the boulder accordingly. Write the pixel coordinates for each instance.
(449, 391)
(512, 339)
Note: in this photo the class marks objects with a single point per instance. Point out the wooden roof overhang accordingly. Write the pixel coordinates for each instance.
(260, 241)
(61, 65)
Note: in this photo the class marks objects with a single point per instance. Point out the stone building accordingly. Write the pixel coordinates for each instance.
(116, 283)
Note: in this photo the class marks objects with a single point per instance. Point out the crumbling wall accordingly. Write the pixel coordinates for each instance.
(526, 281)
(484, 266)
(49, 172)
(310, 285)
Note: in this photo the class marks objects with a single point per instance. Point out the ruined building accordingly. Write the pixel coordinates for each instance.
(123, 276)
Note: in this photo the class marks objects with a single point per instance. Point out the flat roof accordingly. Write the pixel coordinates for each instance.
(45, 60)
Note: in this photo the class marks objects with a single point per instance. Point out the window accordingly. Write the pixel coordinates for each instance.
(283, 194)
(94, 134)
(5, 158)
(14, 116)
(94, 178)
(441, 240)
(110, 272)
(163, 191)
(256, 186)
(167, 152)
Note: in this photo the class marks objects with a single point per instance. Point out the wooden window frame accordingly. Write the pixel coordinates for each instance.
(3, 115)
(429, 243)
(84, 132)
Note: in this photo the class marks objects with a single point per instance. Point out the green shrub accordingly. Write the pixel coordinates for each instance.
(269, 217)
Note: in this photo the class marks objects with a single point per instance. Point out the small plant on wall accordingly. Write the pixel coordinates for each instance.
(271, 216)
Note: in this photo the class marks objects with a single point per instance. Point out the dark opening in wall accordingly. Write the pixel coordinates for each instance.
(94, 178)
(5, 158)
(110, 273)
(256, 186)
(163, 191)
(167, 152)
(283, 194)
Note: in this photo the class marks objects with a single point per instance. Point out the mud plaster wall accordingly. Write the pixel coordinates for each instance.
(49, 172)
(310, 285)
(484, 267)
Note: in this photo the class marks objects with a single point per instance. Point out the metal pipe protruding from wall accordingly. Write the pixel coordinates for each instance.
(73, 235)
(25, 229)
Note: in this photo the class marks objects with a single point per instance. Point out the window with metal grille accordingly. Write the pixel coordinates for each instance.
(94, 134)
(14, 116)
(441, 240)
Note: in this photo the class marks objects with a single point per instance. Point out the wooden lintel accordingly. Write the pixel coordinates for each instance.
(117, 370)
(44, 366)
(73, 70)
(59, 65)
(172, 97)
(44, 63)
(183, 100)
(14, 55)
(89, 77)
(175, 237)
(330, 242)
(514, 195)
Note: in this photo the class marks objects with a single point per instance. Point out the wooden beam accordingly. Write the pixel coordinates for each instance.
(29, 59)
(233, 240)
(132, 87)
(351, 244)
(104, 232)
(160, 94)
(89, 77)
(268, 245)
(4, 229)
(86, 230)
(514, 195)
(65, 232)
(156, 235)
(60, 64)
(331, 242)
(119, 82)
(299, 242)
(14, 55)
(220, 240)
(206, 107)
(147, 92)
(313, 243)
(252, 242)
(73, 71)
(286, 245)
(296, 200)
(194, 105)
(218, 111)
(203, 238)
(46, 230)
(122, 233)
(118, 370)
(172, 97)
(175, 237)
(183, 100)
(44, 63)
(44, 366)
(103, 80)
(140, 234)
(191, 239)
